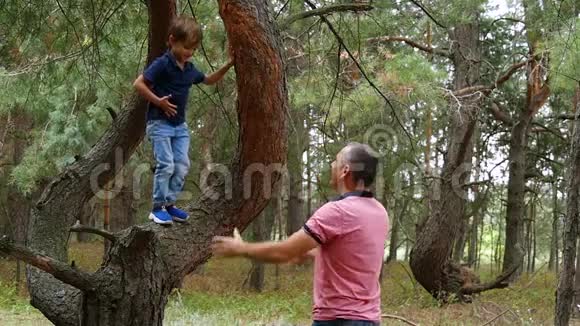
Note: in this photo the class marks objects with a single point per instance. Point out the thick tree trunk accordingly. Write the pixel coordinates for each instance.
(565, 292)
(258, 267)
(296, 216)
(531, 242)
(535, 247)
(396, 226)
(554, 252)
(277, 235)
(537, 92)
(295, 203)
(261, 231)
(393, 246)
(297, 139)
(514, 247)
(459, 249)
(144, 263)
(479, 204)
(16, 210)
(528, 239)
(576, 301)
(430, 257)
(473, 241)
(308, 178)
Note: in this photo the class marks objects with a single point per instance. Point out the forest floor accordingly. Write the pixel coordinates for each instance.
(216, 296)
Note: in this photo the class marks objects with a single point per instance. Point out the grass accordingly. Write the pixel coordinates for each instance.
(216, 297)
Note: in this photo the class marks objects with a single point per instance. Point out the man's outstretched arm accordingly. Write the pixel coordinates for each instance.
(295, 247)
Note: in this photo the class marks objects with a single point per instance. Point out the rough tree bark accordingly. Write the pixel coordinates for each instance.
(261, 230)
(565, 292)
(258, 267)
(144, 263)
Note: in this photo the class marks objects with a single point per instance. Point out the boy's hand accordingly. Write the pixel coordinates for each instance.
(168, 108)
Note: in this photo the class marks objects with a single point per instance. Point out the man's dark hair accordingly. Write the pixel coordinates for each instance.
(362, 161)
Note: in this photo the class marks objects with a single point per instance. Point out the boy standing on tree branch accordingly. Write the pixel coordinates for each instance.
(165, 84)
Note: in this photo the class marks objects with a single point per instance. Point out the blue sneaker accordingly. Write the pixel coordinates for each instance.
(160, 216)
(177, 214)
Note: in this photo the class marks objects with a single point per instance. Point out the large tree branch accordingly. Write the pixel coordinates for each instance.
(499, 114)
(355, 7)
(408, 41)
(499, 283)
(498, 82)
(509, 72)
(61, 271)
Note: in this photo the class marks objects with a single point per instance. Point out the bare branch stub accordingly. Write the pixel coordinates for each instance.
(87, 229)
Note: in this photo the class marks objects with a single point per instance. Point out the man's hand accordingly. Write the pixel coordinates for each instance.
(228, 246)
(296, 245)
(168, 108)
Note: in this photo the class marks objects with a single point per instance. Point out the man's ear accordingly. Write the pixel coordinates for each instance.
(345, 170)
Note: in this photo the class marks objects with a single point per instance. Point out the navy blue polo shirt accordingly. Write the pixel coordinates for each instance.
(167, 78)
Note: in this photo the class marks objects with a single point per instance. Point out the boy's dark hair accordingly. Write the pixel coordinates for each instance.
(363, 162)
(185, 29)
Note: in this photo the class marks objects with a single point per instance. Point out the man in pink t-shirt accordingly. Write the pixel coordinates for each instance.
(346, 239)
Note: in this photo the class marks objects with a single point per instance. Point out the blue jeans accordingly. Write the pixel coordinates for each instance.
(170, 147)
(344, 322)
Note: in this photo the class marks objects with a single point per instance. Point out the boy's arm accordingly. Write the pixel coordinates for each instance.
(219, 74)
(143, 89)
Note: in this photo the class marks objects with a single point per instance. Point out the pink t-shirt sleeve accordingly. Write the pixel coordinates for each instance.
(325, 224)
